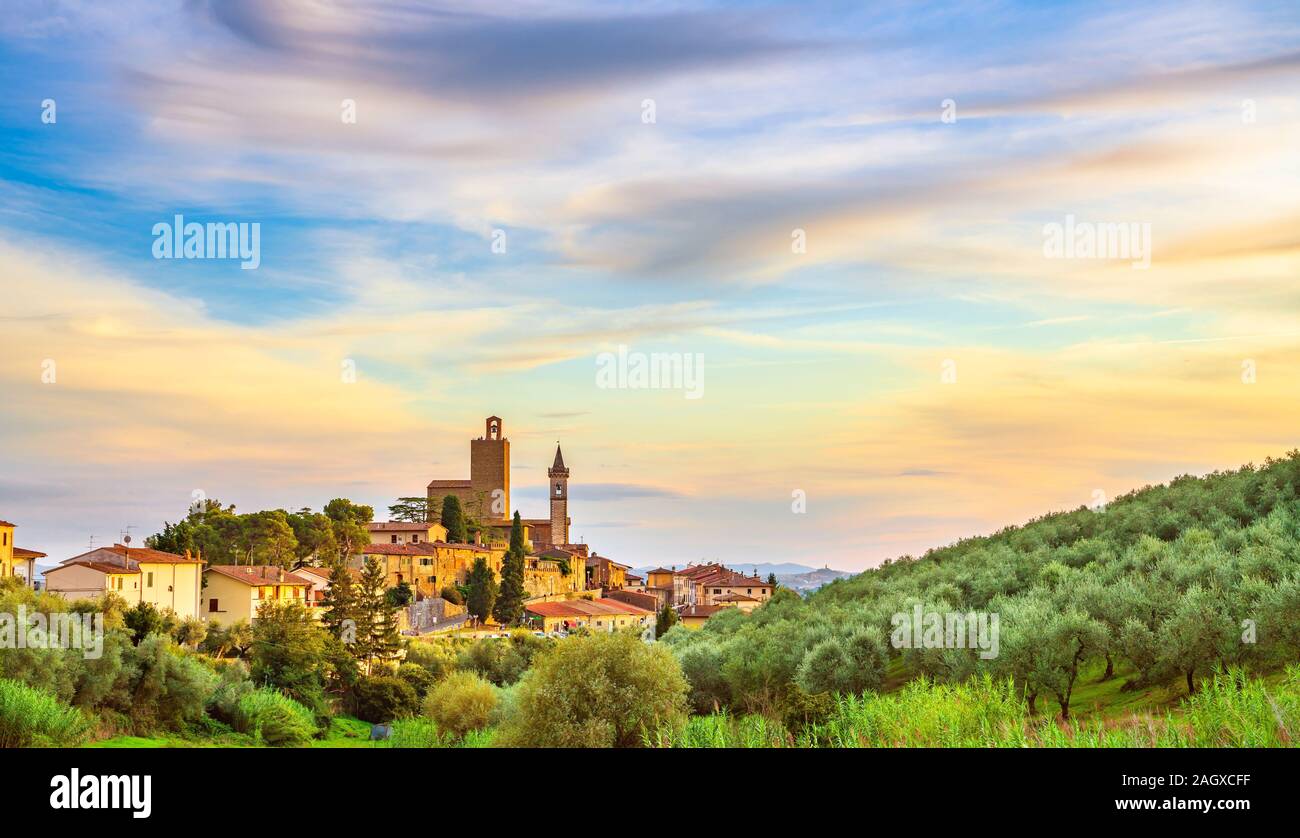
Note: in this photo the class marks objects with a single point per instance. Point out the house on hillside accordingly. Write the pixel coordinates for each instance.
(235, 592)
(168, 581)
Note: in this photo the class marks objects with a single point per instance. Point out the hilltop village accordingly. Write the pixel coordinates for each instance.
(427, 566)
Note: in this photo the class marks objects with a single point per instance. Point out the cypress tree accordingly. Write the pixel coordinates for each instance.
(481, 589)
(509, 607)
(453, 518)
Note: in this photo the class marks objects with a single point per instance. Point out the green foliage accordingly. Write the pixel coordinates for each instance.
(481, 589)
(508, 609)
(33, 718)
(420, 679)
(377, 639)
(460, 703)
(400, 595)
(411, 510)
(1162, 585)
(289, 653)
(144, 619)
(275, 719)
(601, 690)
(452, 594)
(453, 518)
(436, 658)
(665, 620)
(384, 698)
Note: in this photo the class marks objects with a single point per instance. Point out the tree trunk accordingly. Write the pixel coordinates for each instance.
(1191, 684)
(1065, 706)
(1110, 668)
(1033, 700)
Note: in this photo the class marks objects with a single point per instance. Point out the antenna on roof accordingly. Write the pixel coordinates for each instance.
(91, 545)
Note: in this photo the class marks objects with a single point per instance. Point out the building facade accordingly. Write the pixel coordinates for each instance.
(168, 581)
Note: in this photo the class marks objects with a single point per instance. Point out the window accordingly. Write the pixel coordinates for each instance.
(717, 590)
(392, 539)
(6, 539)
(558, 490)
(148, 579)
(212, 606)
(415, 539)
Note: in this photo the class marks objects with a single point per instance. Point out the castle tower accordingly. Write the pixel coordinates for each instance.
(559, 493)
(489, 472)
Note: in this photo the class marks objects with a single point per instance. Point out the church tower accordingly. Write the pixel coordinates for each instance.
(559, 493)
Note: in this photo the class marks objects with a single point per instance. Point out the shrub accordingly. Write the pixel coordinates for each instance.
(460, 703)
(600, 690)
(234, 684)
(418, 733)
(385, 698)
(31, 718)
(452, 594)
(275, 719)
(438, 659)
(170, 688)
(418, 677)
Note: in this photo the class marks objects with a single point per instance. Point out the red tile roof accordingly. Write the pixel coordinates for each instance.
(7, 524)
(701, 610)
(424, 548)
(145, 554)
(449, 484)
(586, 608)
(258, 574)
(734, 598)
(102, 567)
(399, 526)
(20, 553)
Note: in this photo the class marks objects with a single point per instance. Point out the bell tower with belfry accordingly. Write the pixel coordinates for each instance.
(559, 492)
(489, 472)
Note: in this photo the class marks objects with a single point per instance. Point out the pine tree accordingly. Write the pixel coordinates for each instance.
(340, 599)
(481, 589)
(377, 638)
(667, 619)
(453, 518)
(509, 608)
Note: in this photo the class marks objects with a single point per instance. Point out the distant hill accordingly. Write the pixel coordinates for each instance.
(812, 580)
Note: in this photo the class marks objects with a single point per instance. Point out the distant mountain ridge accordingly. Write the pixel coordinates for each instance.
(797, 577)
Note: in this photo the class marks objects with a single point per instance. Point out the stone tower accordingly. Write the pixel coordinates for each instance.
(489, 472)
(559, 493)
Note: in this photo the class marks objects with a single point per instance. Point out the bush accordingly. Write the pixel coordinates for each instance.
(32, 718)
(452, 594)
(418, 677)
(385, 698)
(438, 658)
(461, 703)
(170, 688)
(275, 719)
(601, 690)
(234, 684)
(419, 733)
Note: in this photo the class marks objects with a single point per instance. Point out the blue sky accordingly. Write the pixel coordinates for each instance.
(823, 367)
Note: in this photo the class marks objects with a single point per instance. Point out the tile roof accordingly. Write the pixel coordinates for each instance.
(142, 554)
(258, 574)
(20, 553)
(102, 567)
(400, 526)
(424, 548)
(734, 598)
(701, 610)
(586, 608)
(449, 484)
(7, 524)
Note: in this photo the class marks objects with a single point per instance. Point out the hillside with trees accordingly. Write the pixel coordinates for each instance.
(1154, 592)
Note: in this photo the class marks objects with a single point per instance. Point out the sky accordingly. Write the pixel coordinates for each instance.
(843, 209)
